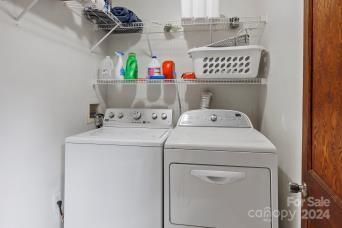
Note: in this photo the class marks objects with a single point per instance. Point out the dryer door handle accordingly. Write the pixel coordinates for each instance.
(218, 177)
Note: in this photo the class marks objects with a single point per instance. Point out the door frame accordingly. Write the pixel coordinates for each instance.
(307, 91)
(315, 184)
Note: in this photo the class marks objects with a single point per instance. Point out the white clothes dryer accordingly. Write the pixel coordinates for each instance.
(219, 172)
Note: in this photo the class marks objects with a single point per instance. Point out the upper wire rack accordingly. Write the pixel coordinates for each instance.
(108, 21)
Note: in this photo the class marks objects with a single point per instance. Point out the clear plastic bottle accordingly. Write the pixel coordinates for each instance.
(107, 68)
(154, 68)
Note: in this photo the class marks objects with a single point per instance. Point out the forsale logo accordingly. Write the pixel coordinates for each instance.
(316, 209)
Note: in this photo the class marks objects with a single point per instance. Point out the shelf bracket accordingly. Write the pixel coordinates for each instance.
(149, 44)
(103, 38)
(32, 4)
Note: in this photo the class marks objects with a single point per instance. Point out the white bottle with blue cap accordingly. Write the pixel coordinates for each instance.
(119, 68)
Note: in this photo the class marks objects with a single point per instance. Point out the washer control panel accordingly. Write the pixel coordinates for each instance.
(156, 118)
(215, 118)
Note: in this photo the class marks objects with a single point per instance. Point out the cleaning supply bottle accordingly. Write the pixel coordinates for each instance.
(107, 6)
(131, 67)
(154, 68)
(107, 68)
(119, 68)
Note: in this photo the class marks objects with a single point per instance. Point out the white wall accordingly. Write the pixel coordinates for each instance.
(281, 101)
(46, 68)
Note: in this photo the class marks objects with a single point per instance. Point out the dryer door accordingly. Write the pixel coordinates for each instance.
(220, 196)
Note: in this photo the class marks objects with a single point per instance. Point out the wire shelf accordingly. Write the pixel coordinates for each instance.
(233, 22)
(228, 81)
(107, 21)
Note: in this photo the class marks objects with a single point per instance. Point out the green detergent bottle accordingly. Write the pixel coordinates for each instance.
(131, 67)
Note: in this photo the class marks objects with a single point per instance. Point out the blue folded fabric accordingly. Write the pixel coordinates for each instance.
(120, 11)
(132, 16)
(125, 15)
(122, 14)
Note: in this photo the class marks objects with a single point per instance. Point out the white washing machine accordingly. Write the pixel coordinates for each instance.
(219, 172)
(114, 175)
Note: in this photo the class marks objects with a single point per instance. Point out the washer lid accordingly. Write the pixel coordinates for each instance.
(220, 139)
(122, 136)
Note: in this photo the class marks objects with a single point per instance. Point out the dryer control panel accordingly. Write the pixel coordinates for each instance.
(154, 118)
(215, 118)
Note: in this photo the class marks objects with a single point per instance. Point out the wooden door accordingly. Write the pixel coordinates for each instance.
(322, 116)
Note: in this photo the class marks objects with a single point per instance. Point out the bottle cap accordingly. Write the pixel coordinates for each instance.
(119, 53)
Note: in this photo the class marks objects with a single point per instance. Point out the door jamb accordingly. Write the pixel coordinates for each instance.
(307, 94)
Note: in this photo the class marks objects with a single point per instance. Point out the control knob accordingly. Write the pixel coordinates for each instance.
(120, 115)
(111, 115)
(213, 118)
(164, 116)
(154, 116)
(136, 115)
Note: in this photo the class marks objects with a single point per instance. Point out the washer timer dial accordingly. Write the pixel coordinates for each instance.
(137, 115)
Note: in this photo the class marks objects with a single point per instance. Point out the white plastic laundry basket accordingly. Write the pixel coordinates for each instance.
(226, 62)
